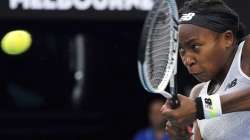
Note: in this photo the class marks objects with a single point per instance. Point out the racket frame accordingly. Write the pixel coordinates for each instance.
(170, 72)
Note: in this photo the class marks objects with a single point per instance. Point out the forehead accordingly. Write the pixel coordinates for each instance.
(189, 32)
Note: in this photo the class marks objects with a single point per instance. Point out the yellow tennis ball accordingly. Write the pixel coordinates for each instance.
(16, 42)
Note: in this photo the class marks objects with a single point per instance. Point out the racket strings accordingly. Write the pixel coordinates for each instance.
(159, 50)
(160, 34)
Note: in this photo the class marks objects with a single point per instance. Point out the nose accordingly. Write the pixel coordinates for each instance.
(188, 61)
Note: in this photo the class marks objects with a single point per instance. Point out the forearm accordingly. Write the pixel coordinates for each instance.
(196, 133)
(238, 101)
(186, 113)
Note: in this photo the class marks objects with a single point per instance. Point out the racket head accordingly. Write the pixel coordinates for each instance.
(158, 50)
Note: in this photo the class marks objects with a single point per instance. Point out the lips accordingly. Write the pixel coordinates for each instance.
(197, 74)
(193, 71)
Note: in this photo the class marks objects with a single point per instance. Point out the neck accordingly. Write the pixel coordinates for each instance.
(222, 75)
(213, 87)
(216, 83)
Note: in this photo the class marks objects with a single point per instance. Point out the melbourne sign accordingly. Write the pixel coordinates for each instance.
(75, 9)
(82, 5)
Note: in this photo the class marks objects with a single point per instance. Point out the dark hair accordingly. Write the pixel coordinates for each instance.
(218, 7)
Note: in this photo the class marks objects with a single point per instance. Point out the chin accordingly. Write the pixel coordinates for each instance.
(201, 78)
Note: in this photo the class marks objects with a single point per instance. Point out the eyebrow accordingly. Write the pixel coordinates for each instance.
(190, 40)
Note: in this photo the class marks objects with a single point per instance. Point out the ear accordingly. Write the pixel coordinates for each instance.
(228, 38)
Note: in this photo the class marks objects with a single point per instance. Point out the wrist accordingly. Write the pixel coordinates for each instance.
(208, 107)
(199, 108)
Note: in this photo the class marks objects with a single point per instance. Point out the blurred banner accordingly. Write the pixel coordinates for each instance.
(75, 9)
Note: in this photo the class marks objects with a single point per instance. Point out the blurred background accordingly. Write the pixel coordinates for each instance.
(79, 79)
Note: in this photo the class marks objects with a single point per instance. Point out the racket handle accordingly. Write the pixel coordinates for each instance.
(174, 102)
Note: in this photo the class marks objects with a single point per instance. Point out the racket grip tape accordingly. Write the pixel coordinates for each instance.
(174, 102)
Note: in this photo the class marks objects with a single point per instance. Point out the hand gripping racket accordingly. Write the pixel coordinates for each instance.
(158, 51)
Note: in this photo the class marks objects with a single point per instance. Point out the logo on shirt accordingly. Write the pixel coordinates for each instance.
(231, 84)
(208, 103)
(187, 17)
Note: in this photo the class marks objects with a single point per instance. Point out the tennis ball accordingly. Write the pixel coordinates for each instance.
(16, 42)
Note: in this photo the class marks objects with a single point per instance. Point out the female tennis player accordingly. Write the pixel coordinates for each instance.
(215, 50)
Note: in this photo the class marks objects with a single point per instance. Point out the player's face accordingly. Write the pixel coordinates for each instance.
(202, 51)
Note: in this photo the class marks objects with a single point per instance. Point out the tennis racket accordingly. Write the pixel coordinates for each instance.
(158, 51)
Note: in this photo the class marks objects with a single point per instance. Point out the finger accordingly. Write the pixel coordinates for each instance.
(169, 103)
(168, 113)
(165, 109)
(171, 131)
(166, 106)
(168, 116)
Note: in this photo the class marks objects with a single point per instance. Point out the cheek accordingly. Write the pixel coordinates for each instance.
(212, 63)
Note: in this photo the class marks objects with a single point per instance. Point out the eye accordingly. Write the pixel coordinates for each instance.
(196, 47)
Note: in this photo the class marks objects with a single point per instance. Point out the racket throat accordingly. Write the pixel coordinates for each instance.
(166, 94)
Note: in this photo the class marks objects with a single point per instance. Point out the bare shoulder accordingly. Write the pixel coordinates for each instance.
(245, 65)
(247, 42)
(196, 90)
